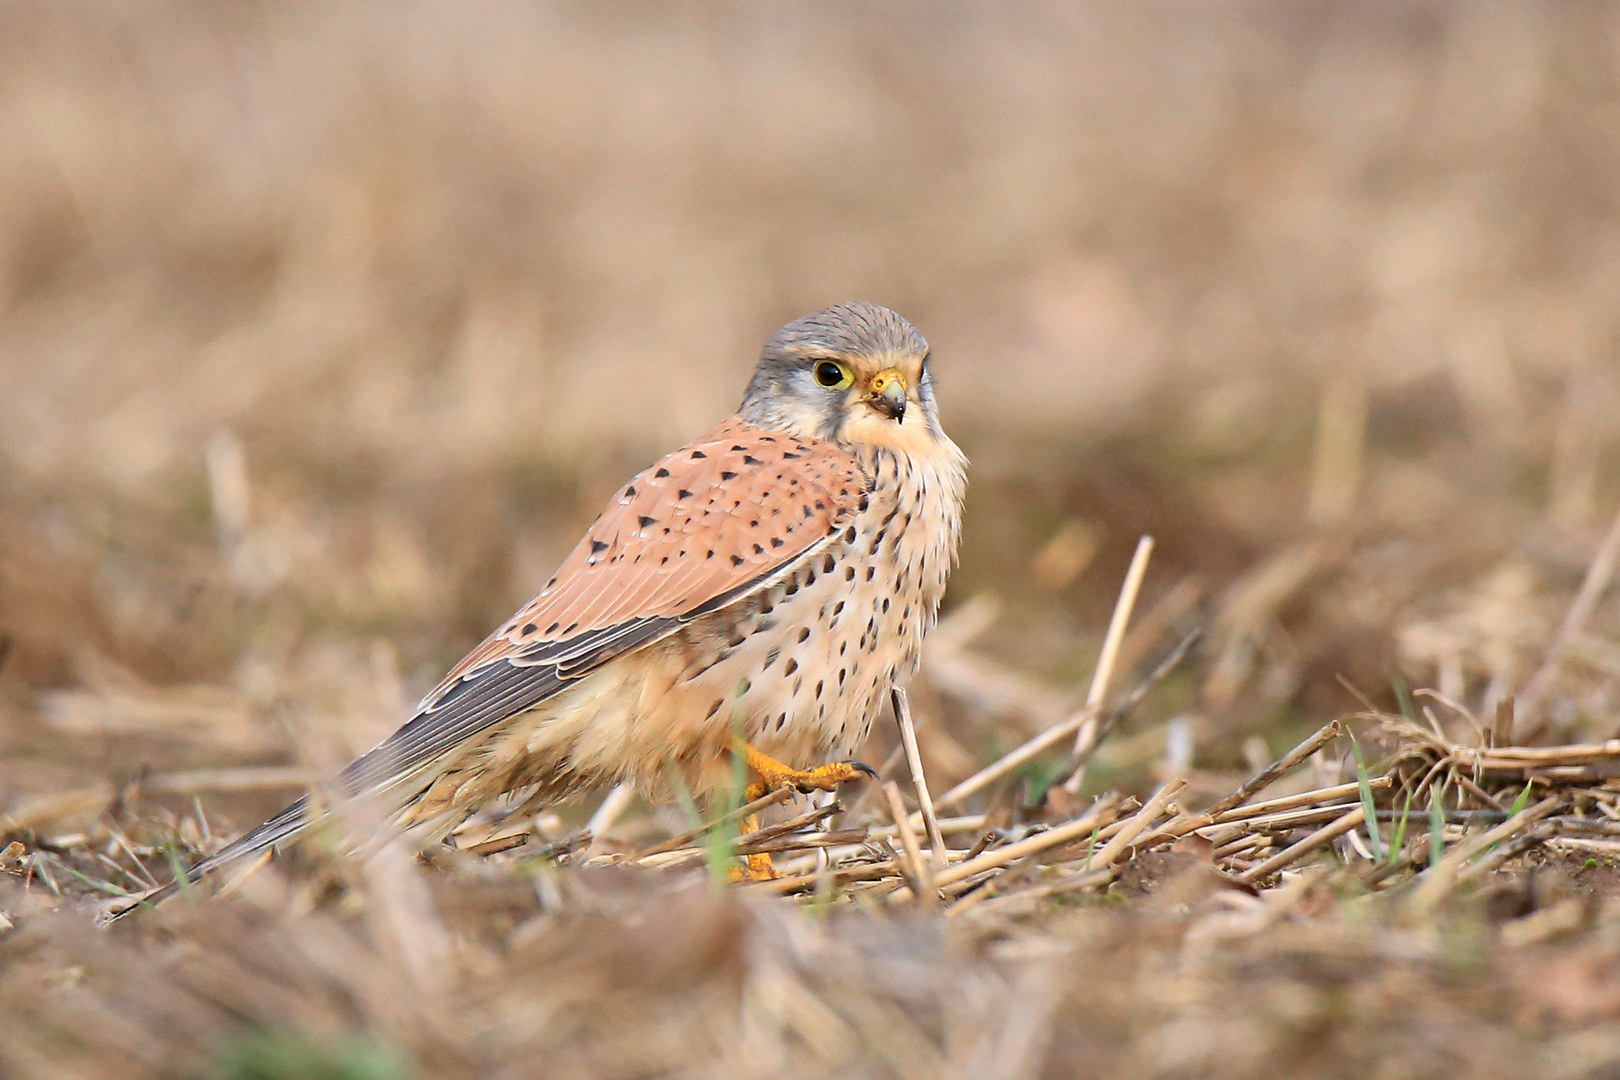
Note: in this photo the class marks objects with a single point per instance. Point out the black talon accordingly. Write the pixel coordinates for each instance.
(805, 785)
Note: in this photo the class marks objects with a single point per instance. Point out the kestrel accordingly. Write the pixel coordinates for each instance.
(768, 583)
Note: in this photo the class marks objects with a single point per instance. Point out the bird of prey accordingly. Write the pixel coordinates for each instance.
(757, 591)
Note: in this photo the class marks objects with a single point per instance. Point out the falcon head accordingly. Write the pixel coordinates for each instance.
(855, 373)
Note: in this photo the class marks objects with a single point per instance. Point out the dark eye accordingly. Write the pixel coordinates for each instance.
(832, 375)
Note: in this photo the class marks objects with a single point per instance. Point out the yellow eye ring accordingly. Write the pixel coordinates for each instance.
(833, 375)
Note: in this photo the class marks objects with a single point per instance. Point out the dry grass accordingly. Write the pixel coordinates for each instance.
(323, 331)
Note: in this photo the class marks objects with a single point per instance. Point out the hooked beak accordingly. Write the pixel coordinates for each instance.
(888, 394)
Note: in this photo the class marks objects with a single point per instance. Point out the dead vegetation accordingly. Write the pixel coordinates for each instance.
(324, 332)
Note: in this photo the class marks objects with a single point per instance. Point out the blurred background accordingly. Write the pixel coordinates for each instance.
(325, 329)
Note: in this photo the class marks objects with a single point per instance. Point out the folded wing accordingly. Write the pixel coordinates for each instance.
(700, 529)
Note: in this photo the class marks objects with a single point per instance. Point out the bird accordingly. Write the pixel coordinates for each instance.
(754, 595)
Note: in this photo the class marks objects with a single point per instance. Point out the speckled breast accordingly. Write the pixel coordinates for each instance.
(803, 668)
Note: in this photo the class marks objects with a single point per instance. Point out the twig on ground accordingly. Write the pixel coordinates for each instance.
(842, 875)
(770, 798)
(908, 739)
(1502, 723)
(1282, 766)
(1025, 898)
(834, 838)
(1290, 855)
(923, 882)
(1099, 869)
(1439, 880)
(1117, 625)
(1258, 783)
(1077, 762)
(607, 815)
(498, 844)
(1097, 815)
(1542, 833)
(1136, 825)
(772, 838)
(1058, 732)
(1013, 759)
(1314, 797)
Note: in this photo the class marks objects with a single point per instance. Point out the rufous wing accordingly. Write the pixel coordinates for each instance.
(692, 533)
(687, 535)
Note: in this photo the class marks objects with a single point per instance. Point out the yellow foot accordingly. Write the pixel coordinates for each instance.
(773, 775)
(756, 867)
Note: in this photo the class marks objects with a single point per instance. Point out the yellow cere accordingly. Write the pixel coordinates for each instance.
(881, 381)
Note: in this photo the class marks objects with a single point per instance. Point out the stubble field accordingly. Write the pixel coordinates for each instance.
(324, 332)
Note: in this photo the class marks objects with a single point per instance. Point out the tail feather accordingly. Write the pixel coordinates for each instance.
(284, 826)
(398, 768)
(375, 774)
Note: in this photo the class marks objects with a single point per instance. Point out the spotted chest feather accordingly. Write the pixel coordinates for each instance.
(804, 666)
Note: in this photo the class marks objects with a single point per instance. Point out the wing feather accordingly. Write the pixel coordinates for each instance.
(724, 512)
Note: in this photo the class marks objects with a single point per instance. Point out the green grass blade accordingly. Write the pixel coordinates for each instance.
(89, 882)
(1437, 825)
(716, 854)
(181, 879)
(1403, 697)
(739, 769)
(1397, 843)
(1523, 799)
(721, 843)
(1364, 784)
